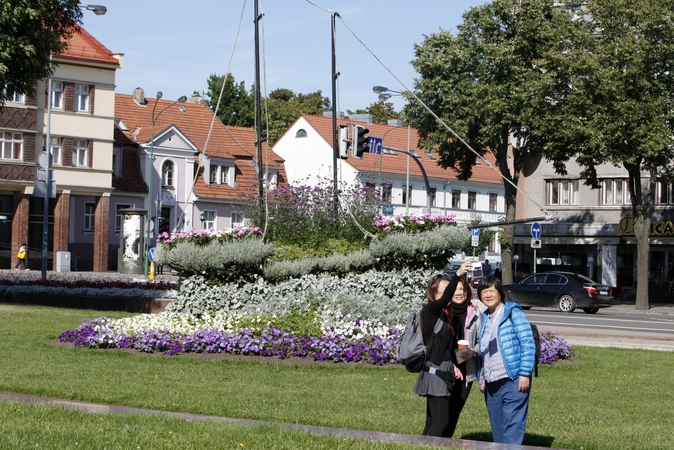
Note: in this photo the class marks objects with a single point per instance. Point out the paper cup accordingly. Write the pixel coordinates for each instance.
(462, 344)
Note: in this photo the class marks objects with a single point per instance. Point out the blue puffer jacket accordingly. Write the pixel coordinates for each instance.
(515, 340)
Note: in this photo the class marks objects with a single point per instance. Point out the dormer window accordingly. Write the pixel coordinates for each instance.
(219, 174)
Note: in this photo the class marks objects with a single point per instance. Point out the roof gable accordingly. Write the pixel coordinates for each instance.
(82, 46)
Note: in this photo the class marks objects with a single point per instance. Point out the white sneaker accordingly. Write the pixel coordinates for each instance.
(16, 268)
(27, 270)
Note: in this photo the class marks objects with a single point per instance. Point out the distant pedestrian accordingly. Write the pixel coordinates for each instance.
(22, 256)
(486, 268)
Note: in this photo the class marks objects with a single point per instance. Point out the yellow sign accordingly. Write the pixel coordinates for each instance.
(661, 228)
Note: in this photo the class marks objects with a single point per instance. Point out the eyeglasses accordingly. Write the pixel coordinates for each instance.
(441, 276)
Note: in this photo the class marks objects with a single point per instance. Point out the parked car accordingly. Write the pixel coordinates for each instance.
(564, 290)
(452, 266)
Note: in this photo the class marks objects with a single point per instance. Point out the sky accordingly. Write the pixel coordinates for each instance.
(173, 46)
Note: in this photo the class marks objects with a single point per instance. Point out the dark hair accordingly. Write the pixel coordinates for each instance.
(488, 282)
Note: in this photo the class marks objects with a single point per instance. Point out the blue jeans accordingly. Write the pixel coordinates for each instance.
(508, 409)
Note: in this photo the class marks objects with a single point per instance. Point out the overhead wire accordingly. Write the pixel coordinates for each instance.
(431, 112)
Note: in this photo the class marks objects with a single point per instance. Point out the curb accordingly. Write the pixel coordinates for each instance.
(341, 432)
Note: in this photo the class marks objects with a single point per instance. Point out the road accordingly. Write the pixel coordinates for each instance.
(611, 327)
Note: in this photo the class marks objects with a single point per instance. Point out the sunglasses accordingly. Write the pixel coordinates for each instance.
(441, 276)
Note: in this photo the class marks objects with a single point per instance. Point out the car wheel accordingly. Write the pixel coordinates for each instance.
(526, 308)
(590, 310)
(566, 303)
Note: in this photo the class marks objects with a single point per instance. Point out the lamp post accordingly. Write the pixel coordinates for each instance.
(384, 94)
(182, 99)
(515, 258)
(99, 10)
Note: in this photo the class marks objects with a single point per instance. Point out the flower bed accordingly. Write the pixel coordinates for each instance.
(340, 339)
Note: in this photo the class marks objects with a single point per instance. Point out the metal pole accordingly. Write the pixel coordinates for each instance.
(335, 140)
(146, 247)
(407, 186)
(45, 209)
(534, 260)
(258, 109)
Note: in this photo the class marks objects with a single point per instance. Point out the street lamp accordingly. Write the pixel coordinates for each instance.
(182, 99)
(515, 258)
(99, 10)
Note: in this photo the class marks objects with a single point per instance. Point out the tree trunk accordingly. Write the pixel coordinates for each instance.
(642, 227)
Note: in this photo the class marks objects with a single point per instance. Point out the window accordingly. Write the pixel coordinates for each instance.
(117, 162)
(386, 193)
(81, 97)
(562, 192)
(493, 202)
(57, 95)
(273, 180)
(430, 155)
(224, 175)
(55, 148)
(16, 98)
(119, 218)
(167, 174)
(219, 174)
(209, 219)
(301, 133)
(89, 215)
(664, 193)
(553, 278)
(11, 145)
(407, 194)
(80, 153)
(615, 192)
(237, 218)
(492, 243)
(472, 200)
(432, 194)
(456, 199)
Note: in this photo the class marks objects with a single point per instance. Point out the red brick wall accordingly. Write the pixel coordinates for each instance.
(19, 223)
(61, 223)
(101, 234)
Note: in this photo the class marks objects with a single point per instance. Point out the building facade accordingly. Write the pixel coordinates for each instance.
(78, 117)
(307, 150)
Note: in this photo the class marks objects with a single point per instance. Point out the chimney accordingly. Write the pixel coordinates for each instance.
(139, 96)
(367, 118)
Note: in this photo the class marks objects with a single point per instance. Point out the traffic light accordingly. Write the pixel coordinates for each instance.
(344, 141)
(360, 141)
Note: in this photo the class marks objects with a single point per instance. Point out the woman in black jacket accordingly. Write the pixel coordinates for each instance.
(436, 381)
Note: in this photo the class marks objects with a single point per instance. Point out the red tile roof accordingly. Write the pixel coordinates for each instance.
(194, 121)
(82, 46)
(396, 138)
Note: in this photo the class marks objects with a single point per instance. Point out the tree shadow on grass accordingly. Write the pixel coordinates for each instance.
(534, 440)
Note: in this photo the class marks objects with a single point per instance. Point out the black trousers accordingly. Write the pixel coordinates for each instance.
(442, 413)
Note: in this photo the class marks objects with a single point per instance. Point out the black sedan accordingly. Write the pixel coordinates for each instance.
(564, 290)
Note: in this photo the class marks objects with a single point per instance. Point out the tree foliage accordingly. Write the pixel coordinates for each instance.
(29, 31)
(485, 82)
(279, 110)
(381, 112)
(613, 102)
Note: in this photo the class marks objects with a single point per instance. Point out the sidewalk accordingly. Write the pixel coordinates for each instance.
(373, 436)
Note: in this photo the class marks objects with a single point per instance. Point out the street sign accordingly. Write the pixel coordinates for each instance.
(475, 241)
(536, 230)
(535, 243)
(374, 144)
(387, 209)
(150, 255)
(475, 232)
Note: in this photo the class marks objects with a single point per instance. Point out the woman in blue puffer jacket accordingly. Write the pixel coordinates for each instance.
(507, 353)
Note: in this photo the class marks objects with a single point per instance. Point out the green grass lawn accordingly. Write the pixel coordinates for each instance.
(603, 399)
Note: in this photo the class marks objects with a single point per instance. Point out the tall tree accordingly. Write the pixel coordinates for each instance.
(237, 105)
(284, 106)
(482, 82)
(613, 102)
(29, 31)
